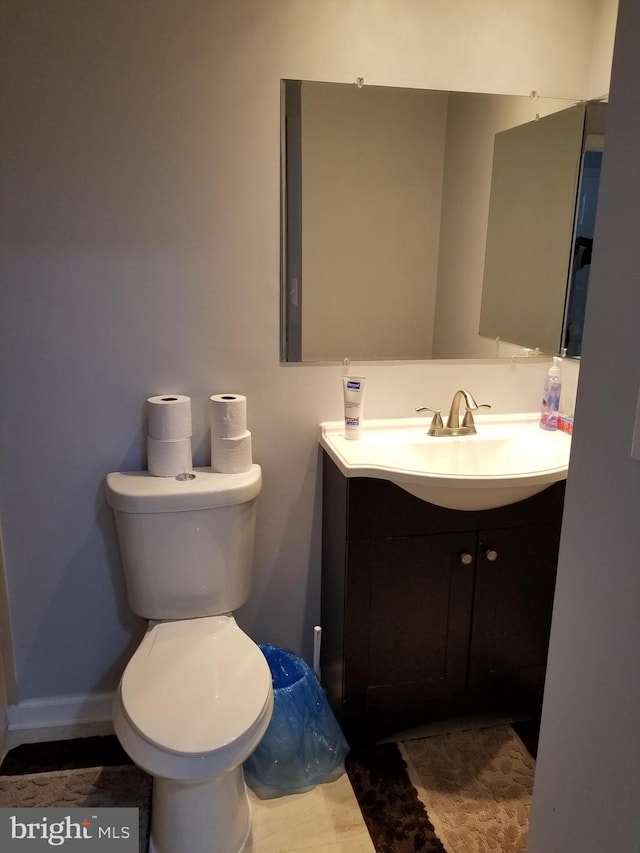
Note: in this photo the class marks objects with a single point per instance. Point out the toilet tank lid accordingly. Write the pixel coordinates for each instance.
(139, 491)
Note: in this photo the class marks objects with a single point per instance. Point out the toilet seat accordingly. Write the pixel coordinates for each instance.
(197, 689)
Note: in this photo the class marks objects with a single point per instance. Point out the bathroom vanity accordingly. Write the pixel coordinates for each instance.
(430, 612)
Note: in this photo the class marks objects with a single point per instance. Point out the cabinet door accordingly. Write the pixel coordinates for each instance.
(513, 600)
(408, 607)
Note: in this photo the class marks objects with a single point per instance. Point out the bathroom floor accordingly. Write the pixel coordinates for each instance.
(326, 819)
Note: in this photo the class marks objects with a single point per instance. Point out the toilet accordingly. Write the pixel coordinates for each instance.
(196, 697)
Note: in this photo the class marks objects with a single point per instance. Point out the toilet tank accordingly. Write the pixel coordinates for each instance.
(186, 544)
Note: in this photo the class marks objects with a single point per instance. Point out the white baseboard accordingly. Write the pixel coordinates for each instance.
(60, 712)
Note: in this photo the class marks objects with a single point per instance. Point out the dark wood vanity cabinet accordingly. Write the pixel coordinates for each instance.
(429, 612)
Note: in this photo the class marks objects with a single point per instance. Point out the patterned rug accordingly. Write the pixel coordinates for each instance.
(93, 787)
(460, 792)
(396, 819)
(477, 787)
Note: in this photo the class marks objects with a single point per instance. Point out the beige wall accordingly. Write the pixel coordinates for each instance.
(394, 214)
(372, 175)
(606, 14)
(472, 123)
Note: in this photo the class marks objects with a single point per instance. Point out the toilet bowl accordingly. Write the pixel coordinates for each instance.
(196, 696)
(193, 703)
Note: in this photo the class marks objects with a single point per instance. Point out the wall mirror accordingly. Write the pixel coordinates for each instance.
(386, 201)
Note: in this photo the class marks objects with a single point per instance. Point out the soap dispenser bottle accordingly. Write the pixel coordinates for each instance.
(551, 397)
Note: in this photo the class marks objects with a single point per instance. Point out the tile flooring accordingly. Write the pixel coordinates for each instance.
(325, 819)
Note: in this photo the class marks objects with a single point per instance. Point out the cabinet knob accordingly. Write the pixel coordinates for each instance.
(466, 559)
(491, 555)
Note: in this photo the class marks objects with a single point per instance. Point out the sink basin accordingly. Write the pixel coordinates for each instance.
(509, 459)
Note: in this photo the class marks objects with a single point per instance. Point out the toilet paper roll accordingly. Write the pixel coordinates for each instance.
(168, 457)
(228, 415)
(231, 455)
(169, 417)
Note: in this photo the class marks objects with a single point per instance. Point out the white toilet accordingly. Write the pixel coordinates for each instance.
(196, 697)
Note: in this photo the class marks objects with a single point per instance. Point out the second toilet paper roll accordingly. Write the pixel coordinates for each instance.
(231, 455)
(166, 458)
(169, 417)
(228, 415)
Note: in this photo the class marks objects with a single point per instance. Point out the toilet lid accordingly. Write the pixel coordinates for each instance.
(195, 685)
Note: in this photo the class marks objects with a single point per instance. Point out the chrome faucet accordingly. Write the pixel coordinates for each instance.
(454, 427)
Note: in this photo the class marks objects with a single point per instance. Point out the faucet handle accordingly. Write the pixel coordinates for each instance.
(467, 420)
(436, 420)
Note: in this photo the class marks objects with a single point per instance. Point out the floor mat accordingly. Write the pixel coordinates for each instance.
(94, 787)
(476, 787)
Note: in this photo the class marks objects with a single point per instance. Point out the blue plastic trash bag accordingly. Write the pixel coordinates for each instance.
(303, 744)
